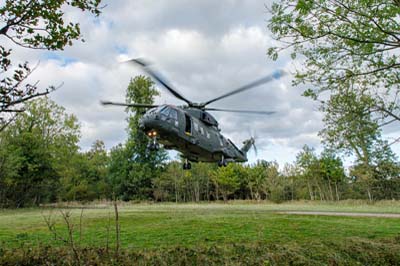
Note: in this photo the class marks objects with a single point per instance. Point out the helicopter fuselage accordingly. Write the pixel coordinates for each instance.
(192, 132)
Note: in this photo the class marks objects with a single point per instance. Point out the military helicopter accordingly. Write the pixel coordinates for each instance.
(191, 129)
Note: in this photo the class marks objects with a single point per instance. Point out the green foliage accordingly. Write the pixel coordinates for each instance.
(257, 182)
(133, 180)
(86, 176)
(41, 24)
(349, 49)
(343, 42)
(176, 184)
(42, 139)
(118, 165)
(35, 25)
(351, 128)
(226, 180)
(168, 186)
(313, 176)
(323, 175)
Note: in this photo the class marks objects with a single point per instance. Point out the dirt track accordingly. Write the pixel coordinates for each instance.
(351, 214)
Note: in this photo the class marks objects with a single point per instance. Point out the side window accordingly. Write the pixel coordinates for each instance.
(196, 126)
(208, 134)
(188, 126)
(202, 131)
(173, 114)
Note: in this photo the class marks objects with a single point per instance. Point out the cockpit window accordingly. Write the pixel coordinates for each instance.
(165, 111)
(169, 114)
(173, 114)
(153, 110)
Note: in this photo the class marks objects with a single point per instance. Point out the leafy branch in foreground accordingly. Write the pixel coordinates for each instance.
(34, 25)
(343, 44)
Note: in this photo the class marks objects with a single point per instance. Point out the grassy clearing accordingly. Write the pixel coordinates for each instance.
(153, 226)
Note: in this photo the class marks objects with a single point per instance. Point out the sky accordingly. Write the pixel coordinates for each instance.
(204, 48)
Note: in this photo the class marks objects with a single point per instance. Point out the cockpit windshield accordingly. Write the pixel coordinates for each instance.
(168, 112)
(156, 109)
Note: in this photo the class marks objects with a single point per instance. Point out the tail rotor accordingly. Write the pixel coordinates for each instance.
(255, 147)
(253, 138)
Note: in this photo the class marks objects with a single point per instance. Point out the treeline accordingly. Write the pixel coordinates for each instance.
(310, 177)
(40, 162)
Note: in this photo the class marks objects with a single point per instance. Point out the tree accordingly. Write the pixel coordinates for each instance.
(276, 182)
(34, 25)
(226, 181)
(11, 160)
(295, 185)
(306, 161)
(332, 173)
(351, 128)
(42, 140)
(344, 45)
(97, 169)
(349, 125)
(87, 175)
(178, 185)
(168, 186)
(201, 181)
(143, 165)
(118, 169)
(257, 181)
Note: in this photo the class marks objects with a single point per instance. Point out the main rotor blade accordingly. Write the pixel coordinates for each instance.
(139, 105)
(276, 75)
(159, 78)
(240, 111)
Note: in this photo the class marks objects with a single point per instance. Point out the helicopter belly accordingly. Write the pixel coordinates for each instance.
(189, 147)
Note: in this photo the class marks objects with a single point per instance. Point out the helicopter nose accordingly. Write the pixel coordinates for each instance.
(147, 122)
(144, 123)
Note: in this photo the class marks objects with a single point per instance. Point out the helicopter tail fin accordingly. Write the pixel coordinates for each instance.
(247, 145)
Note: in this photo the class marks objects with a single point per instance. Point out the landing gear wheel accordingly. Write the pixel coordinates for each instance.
(153, 146)
(223, 162)
(150, 147)
(187, 165)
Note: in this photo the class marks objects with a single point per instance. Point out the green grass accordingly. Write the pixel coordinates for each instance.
(189, 225)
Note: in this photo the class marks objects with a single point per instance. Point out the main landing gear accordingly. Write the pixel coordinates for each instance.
(187, 165)
(223, 162)
(153, 145)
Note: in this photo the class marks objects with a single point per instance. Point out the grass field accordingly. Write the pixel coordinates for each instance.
(148, 226)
